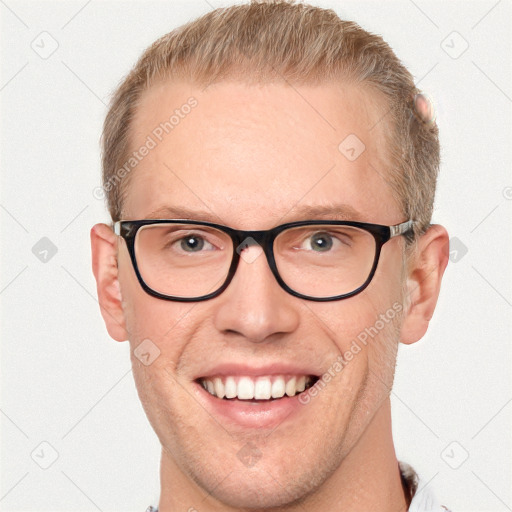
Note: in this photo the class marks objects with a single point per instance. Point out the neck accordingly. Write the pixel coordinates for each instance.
(367, 479)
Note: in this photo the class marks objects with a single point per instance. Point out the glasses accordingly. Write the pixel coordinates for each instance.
(189, 261)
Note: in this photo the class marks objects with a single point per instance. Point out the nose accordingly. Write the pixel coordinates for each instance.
(254, 305)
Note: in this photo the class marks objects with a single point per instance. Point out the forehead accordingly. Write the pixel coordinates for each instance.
(253, 155)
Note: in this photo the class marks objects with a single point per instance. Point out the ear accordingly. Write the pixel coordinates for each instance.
(425, 272)
(104, 267)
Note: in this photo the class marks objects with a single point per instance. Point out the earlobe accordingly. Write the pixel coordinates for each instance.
(104, 267)
(424, 278)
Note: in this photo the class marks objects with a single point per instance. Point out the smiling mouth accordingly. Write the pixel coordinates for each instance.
(257, 388)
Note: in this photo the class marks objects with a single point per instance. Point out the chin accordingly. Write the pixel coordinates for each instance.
(261, 489)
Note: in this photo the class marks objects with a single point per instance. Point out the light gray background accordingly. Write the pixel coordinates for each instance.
(66, 383)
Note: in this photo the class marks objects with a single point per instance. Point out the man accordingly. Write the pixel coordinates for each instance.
(270, 171)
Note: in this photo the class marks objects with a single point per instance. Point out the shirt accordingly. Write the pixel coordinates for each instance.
(423, 500)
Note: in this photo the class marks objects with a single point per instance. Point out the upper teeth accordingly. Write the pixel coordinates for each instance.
(260, 388)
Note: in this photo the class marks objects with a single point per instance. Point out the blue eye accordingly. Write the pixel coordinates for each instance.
(321, 242)
(192, 243)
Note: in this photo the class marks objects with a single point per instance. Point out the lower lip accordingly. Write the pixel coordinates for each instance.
(249, 413)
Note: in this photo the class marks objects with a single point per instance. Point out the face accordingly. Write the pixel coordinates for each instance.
(253, 157)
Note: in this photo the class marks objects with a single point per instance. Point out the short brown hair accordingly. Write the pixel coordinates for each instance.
(280, 40)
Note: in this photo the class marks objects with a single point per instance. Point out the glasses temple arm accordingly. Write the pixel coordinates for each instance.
(401, 229)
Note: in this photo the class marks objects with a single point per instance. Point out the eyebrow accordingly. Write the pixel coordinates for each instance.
(334, 211)
(182, 212)
(338, 211)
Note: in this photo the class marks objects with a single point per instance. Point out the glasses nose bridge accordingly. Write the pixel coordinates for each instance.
(262, 238)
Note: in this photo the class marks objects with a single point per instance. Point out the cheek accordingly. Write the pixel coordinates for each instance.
(163, 322)
(358, 320)
(364, 329)
(154, 385)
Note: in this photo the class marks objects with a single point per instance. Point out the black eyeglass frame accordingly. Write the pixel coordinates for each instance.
(128, 229)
